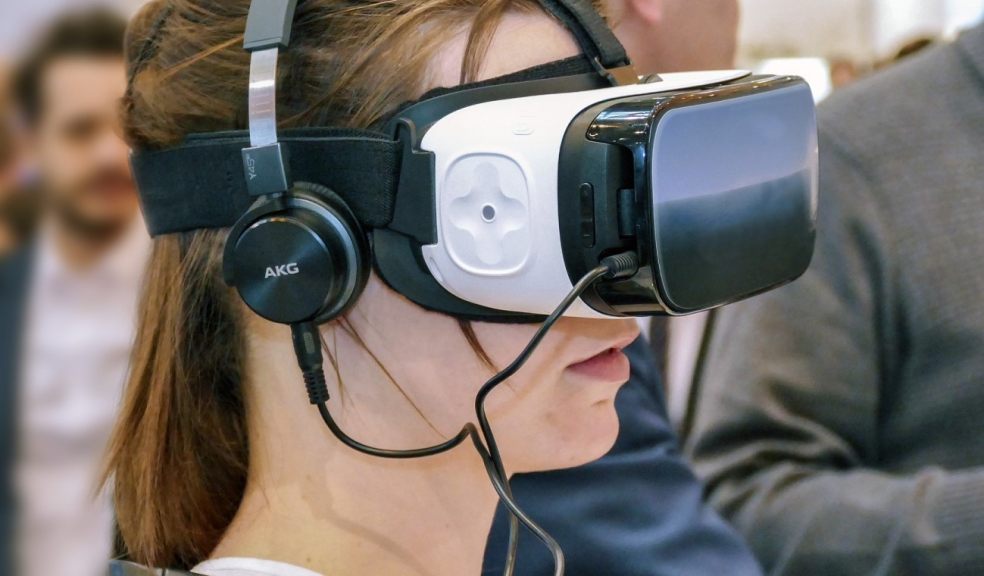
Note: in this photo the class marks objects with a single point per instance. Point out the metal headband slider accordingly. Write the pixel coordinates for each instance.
(267, 30)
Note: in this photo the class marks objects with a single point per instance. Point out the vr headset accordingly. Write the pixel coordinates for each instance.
(489, 201)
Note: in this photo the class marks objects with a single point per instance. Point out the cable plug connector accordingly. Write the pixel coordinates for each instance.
(621, 265)
(307, 348)
(317, 387)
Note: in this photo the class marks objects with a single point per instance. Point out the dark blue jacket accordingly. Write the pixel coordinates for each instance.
(14, 272)
(636, 512)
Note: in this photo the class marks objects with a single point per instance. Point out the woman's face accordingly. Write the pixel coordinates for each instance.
(557, 412)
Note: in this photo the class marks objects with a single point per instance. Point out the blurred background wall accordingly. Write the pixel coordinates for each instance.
(820, 38)
(862, 30)
(21, 21)
(806, 34)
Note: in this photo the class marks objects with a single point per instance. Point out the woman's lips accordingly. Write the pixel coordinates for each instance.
(612, 365)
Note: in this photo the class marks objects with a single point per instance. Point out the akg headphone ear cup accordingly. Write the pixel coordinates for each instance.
(300, 257)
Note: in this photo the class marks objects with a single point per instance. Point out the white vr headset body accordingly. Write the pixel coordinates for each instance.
(497, 169)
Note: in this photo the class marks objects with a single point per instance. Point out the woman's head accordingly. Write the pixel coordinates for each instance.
(210, 379)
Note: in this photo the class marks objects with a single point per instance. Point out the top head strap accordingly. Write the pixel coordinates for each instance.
(595, 39)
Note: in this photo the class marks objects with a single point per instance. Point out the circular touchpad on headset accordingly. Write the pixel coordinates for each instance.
(487, 229)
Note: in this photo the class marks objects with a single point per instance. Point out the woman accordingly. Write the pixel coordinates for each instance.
(219, 461)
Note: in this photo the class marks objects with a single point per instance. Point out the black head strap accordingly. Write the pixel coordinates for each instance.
(361, 166)
(200, 183)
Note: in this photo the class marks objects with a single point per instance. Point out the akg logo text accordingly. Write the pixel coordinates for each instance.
(251, 167)
(282, 270)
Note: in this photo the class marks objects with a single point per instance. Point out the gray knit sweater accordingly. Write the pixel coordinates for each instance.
(840, 420)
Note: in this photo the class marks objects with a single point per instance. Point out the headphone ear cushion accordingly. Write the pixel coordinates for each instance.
(358, 256)
(298, 258)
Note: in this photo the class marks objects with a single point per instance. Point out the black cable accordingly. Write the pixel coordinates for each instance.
(309, 356)
(392, 454)
(618, 266)
(494, 456)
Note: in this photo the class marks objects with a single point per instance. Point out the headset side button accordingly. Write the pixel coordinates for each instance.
(586, 193)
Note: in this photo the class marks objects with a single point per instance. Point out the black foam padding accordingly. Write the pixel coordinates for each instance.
(201, 184)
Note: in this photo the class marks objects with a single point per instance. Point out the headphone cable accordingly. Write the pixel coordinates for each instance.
(307, 346)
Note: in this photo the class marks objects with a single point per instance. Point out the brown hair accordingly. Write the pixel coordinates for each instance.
(179, 454)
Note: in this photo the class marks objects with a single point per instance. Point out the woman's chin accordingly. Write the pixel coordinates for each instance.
(604, 427)
(583, 438)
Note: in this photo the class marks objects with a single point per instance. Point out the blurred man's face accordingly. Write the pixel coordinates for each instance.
(677, 35)
(81, 157)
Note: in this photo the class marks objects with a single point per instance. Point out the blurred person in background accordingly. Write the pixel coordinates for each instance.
(913, 47)
(16, 206)
(8, 237)
(18, 219)
(639, 508)
(839, 421)
(677, 35)
(67, 301)
(843, 72)
(9, 151)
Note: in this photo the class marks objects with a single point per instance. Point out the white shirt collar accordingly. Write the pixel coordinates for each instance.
(249, 567)
(123, 263)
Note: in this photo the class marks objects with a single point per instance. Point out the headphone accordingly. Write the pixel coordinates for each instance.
(298, 255)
